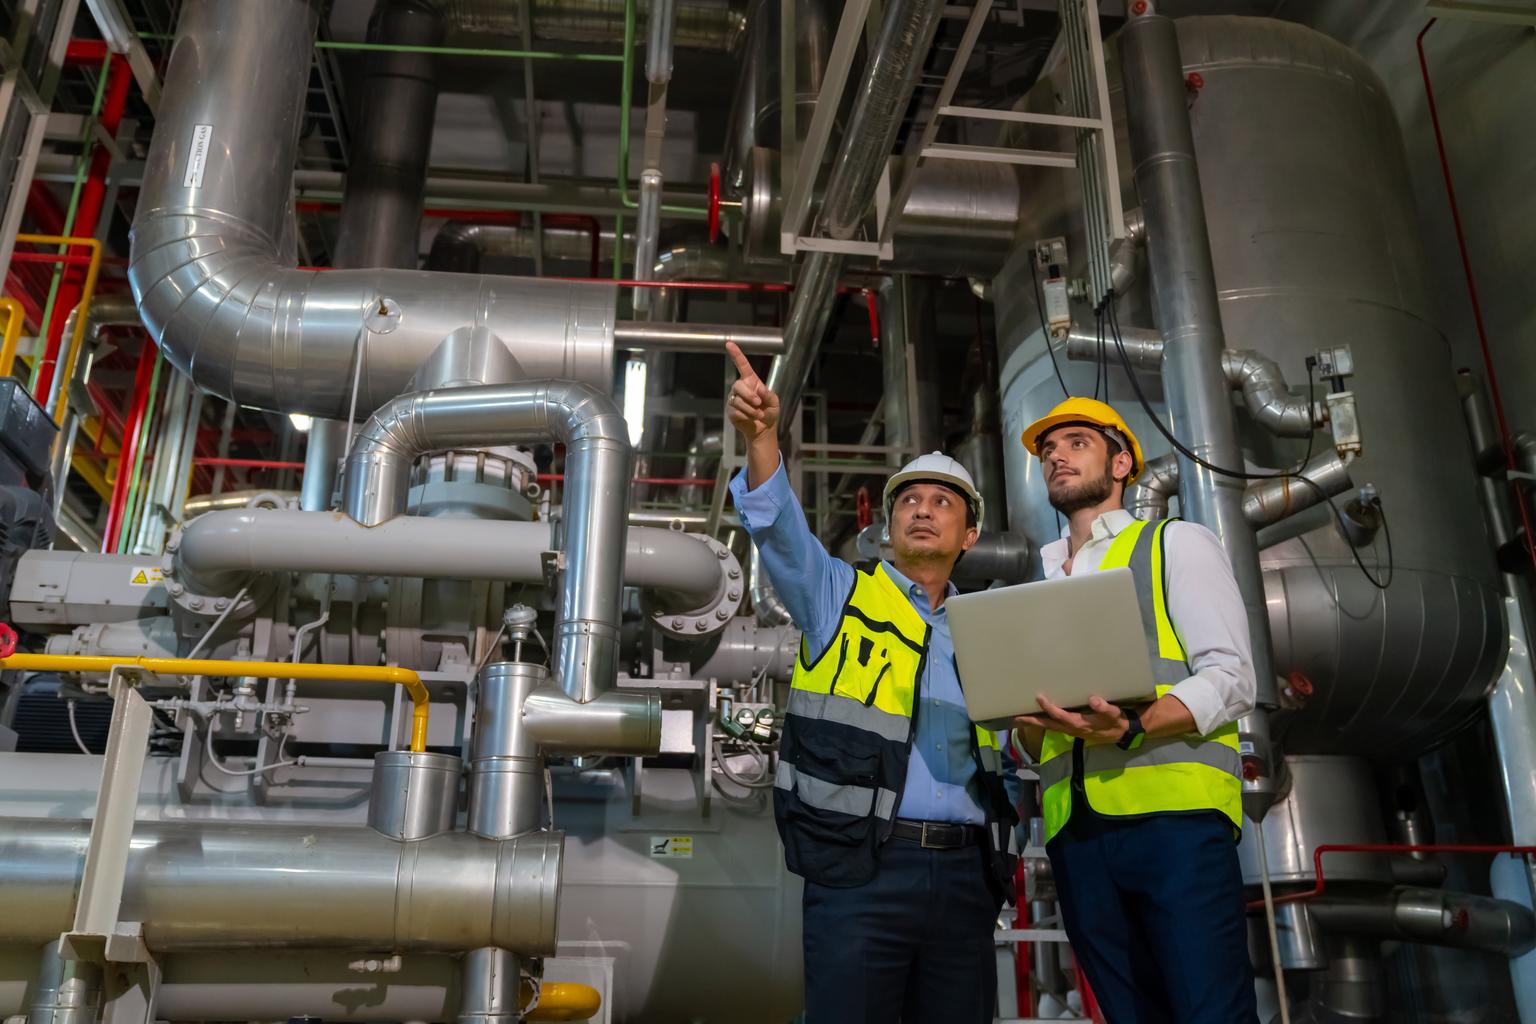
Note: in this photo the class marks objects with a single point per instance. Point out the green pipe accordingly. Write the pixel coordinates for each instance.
(81, 164)
(626, 98)
(130, 511)
(442, 51)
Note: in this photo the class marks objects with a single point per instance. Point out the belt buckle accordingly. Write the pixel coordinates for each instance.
(923, 839)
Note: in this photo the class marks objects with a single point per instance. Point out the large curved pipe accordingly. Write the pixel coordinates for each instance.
(1266, 500)
(212, 254)
(598, 460)
(217, 885)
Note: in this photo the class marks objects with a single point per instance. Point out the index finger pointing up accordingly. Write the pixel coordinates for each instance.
(743, 367)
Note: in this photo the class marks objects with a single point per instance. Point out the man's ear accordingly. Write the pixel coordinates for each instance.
(972, 535)
(1122, 466)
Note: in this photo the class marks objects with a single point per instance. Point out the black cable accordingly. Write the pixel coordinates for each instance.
(1296, 474)
(1045, 332)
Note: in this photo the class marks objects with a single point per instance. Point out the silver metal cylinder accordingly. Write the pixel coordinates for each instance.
(1458, 919)
(647, 234)
(414, 795)
(1188, 314)
(324, 446)
(489, 988)
(1268, 501)
(207, 885)
(627, 724)
(65, 991)
(656, 335)
(506, 785)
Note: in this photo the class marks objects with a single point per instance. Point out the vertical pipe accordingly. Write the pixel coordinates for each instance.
(66, 992)
(323, 451)
(1187, 310)
(125, 459)
(381, 207)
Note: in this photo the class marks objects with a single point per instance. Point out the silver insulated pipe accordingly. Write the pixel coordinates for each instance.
(212, 262)
(597, 472)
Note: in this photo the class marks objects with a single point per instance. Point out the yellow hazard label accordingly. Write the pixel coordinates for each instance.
(672, 846)
(145, 576)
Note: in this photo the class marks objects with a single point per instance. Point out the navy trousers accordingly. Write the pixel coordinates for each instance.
(914, 945)
(1154, 909)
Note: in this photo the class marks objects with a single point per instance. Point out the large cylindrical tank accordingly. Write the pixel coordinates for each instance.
(1314, 239)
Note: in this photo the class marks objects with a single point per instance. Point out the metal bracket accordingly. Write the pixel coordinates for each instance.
(98, 935)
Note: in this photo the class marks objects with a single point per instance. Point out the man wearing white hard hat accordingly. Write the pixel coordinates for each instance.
(890, 803)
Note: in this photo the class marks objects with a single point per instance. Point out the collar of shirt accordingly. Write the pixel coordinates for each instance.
(1054, 555)
(916, 594)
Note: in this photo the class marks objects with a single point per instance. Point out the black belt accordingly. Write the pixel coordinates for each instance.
(938, 835)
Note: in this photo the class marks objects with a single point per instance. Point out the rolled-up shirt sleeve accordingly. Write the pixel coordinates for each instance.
(1208, 614)
(812, 584)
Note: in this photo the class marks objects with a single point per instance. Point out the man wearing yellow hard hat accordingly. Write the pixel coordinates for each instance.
(890, 802)
(1142, 804)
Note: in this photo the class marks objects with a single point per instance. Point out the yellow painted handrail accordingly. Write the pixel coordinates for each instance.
(13, 325)
(66, 368)
(257, 669)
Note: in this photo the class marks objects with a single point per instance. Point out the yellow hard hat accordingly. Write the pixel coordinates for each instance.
(1095, 413)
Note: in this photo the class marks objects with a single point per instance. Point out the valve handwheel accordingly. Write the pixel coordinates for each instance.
(7, 640)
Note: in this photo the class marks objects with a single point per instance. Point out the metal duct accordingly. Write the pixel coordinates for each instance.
(1433, 916)
(461, 245)
(219, 549)
(387, 174)
(698, 24)
(1266, 501)
(216, 885)
(895, 62)
(221, 297)
(704, 451)
(597, 475)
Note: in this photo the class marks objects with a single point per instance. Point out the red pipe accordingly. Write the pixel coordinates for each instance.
(874, 317)
(1023, 962)
(208, 460)
(87, 213)
(130, 446)
(719, 286)
(85, 51)
(1317, 860)
(1477, 306)
(50, 257)
(660, 481)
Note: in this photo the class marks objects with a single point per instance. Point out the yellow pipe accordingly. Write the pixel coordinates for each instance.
(13, 325)
(67, 368)
(257, 669)
(561, 1001)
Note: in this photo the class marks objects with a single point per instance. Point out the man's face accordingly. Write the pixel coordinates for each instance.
(1081, 467)
(928, 521)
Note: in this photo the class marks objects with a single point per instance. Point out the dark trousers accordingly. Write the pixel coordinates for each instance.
(1154, 909)
(913, 945)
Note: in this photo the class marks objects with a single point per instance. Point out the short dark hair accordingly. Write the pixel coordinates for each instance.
(971, 518)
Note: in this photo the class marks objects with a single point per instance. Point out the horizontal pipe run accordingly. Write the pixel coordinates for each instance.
(420, 701)
(1266, 500)
(217, 548)
(1326, 848)
(1432, 916)
(647, 336)
(209, 460)
(217, 885)
(616, 723)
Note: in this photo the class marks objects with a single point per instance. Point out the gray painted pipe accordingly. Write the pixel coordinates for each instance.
(217, 549)
(216, 885)
(323, 447)
(597, 474)
(215, 281)
(1189, 318)
(461, 245)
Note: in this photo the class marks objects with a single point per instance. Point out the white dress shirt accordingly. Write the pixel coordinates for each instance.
(1204, 604)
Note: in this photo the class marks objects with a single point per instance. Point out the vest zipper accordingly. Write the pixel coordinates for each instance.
(875, 686)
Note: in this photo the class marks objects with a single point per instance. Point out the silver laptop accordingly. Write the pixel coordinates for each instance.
(1069, 638)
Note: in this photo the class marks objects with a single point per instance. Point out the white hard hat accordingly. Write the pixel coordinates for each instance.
(938, 468)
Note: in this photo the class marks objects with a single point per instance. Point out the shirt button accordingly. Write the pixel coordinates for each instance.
(938, 746)
(938, 794)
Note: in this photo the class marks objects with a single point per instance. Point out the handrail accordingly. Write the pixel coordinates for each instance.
(65, 370)
(16, 320)
(258, 669)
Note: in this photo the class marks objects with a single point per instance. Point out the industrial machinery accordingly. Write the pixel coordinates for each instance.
(461, 709)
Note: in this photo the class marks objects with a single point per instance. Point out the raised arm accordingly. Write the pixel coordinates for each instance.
(754, 412)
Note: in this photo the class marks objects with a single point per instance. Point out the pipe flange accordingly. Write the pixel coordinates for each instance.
(714, 615)
(208, 598)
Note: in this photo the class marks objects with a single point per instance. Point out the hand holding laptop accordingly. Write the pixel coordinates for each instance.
(1103, 722)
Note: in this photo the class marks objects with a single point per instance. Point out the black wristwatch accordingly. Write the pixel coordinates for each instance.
(1134, 732)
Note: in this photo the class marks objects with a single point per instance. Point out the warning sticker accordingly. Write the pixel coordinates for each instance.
(145, 576)
(197, 157)
(1245, 747)
(672, 846)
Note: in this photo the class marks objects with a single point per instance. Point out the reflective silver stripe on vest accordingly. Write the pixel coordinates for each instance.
(1057, 769)
(847, 711)
(1165, 671)
(1106, 757)
(852, 800)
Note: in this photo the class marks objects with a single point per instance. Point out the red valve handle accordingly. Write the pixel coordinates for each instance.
(7, 640)
(714, 203)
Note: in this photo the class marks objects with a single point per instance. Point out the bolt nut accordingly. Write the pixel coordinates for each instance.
(722, 614)
(734, 574)
(175, 589)
(722, 554)
(734, 595)
(221, 604)
(701, 625)
(195, 603)
(677, 623)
